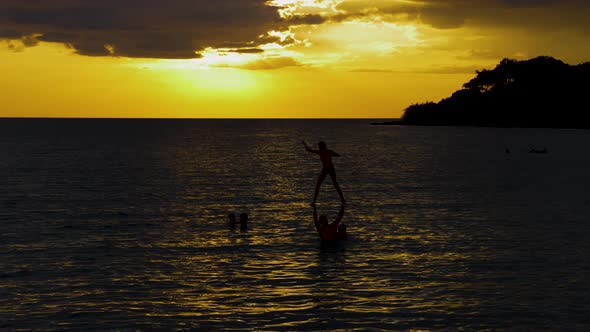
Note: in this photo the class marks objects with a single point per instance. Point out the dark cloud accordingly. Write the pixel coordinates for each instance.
(449, 14)
(246, 50)
(143, 28)
(182, 28)
(16, 41)
(306, 19)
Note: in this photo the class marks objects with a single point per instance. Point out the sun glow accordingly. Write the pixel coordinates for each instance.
(209, 76)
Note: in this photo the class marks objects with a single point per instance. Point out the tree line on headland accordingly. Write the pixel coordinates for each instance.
(539, 92)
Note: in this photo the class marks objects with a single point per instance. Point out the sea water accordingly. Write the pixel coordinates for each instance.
(122, 225)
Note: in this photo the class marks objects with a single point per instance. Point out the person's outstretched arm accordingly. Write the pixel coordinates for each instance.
(335, 154)
(340, 215)
(308, 149)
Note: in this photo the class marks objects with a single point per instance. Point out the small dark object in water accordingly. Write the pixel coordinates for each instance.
(232, 220)
(243, 221)
(123, 214)
(538, 151)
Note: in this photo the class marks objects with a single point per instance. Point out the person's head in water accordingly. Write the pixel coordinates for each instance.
(232, 220)
(323, 220)
(322, 145)
(243, 221)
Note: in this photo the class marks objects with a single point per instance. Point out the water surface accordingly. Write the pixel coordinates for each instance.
(120, 225)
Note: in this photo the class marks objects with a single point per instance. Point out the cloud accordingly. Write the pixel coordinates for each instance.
(451, 14)
(145, 28)
(271, 63)
(181, 29)
(268, 63)
(432, 70)
(246, 50)
(16, 42)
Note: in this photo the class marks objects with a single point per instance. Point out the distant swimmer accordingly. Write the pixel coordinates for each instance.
(327, 169)
(243, 222)
(232, 221)
(330, 231)
(538, 151)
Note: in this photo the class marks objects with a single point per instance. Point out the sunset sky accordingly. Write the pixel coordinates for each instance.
(260, 58)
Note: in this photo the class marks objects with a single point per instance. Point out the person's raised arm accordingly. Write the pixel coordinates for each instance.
(340, 215)
(308, 149)
(315, 219)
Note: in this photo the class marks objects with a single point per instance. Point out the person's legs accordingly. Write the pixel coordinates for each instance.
(317, 186)
(337, 186)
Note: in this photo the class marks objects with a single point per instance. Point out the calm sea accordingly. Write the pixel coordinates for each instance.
(121, 225)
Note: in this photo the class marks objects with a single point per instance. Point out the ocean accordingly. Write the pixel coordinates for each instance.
(121, 225)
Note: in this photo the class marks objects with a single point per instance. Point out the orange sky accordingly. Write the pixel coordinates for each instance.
(282, 59)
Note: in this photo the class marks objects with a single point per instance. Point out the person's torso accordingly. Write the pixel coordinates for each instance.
(326, 157)
(329, 233)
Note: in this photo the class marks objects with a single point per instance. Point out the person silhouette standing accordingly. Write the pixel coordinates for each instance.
(327, 169)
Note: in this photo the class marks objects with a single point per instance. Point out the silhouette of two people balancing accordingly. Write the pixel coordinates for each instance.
(327, 169)
(327, 231)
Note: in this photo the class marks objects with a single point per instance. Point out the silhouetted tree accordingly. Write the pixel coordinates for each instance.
(539, 92)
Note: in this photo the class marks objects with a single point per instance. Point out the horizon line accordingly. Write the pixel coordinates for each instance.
(154, 118)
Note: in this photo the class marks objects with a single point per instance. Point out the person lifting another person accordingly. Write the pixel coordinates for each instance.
(330, 231)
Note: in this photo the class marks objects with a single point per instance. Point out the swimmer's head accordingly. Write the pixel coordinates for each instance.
(232, 220)
(323, 220)
(322, 145)
(243, 221)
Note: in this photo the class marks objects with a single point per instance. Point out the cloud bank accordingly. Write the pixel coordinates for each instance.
(450, 14)
(174, 29)
(180, 29)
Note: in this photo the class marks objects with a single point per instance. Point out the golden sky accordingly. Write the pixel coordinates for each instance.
(260, 58)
